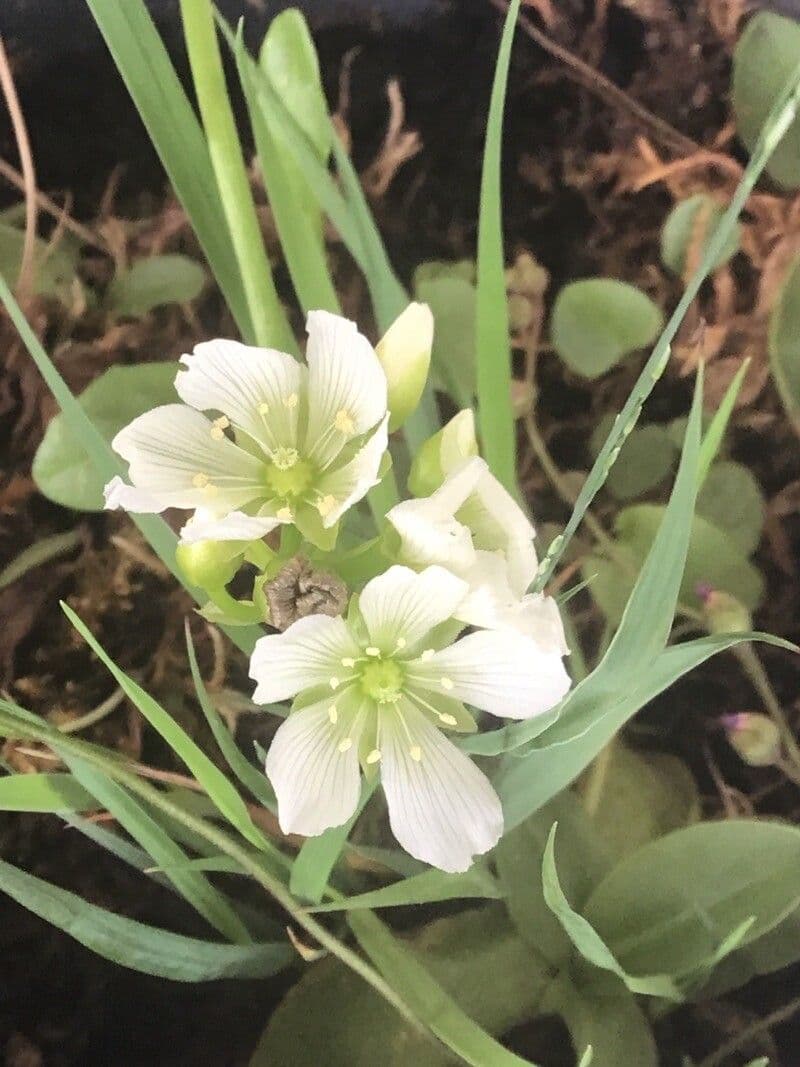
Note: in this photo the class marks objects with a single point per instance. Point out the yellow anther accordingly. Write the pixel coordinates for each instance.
(345, 743)
(448, 720)
(263, 407)
(416, 753)
(326, 505)
(211, 489)
(374, 756)
(348, 661)
(401, 642)
(429, 653)
(284, 514)
(200, 481)
(334, 683)
(219, 426)
(291, 401)
(372, 651)
(446, 683)
(333, 714)
(344, 421)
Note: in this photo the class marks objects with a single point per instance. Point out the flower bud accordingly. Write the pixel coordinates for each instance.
(755, 738)
(209, 564)
(723, 613)
(441, 453)
(405, 355)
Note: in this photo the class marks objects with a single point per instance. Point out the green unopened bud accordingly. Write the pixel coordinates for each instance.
(723, 613)
(441, 453)
(405, 355)
(209, 564)
(755, 737)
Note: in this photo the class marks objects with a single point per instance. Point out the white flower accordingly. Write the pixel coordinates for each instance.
(472, 526)
(303, 443)
(376, 691)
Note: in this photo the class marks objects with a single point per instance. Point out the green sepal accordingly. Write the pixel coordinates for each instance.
(309, 522)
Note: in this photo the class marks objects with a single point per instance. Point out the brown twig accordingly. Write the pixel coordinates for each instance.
(59, 213)
(602, 86)
(25, 279)
(781, 1015)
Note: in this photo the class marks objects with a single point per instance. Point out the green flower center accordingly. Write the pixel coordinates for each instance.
(288, 475)
(382, 680)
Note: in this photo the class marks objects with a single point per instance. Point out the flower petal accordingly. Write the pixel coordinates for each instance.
(257, 388)
(235, 526)
(309, 653)
(174, 460)
(403, 606)
(313, 769)
(498, 522)
(346, 386)
(442, 809)
(119, 495)
(503, 672)
(351, 482)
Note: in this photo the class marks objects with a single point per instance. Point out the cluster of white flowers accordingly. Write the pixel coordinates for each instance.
(377, 691)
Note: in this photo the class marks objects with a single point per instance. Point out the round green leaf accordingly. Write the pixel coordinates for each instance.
(784, 341)
(680, 230)
(597, 321)
(763, 61)
(713, 558)
(150, 283)
(731, 499)
(647, 457)
(61, 469)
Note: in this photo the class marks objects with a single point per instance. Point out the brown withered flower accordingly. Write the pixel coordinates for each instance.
(300, 590)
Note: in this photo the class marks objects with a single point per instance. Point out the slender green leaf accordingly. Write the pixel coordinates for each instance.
(784, 348)
(145, 66)
(314, 862)
(55, 792)
(426, 888)
(39, 552)
(135, 945)
(426, 997)
(193, 886)
(219, 789)
(492, 345)
(713, 437)
(586, 939)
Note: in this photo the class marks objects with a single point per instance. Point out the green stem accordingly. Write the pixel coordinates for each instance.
(269, 321)
(748, 657)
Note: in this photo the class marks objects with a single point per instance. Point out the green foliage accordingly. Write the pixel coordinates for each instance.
(689, 227)
(153, 282)
(135, 945)
(62, 470)
(673, 903)
(598, 321)
(449, 290)
(53, 268)
(784, 339)
(714, 557)
(426, 888)
(645, 460)
(732, 500)
(352, 1027)
(53, 793)
(764, 60)
(39, 552)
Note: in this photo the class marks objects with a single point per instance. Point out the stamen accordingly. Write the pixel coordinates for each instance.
(263, 408)
(211, 489)
(429, 653)
(334, 683)
(345, 743)
(348, 661)
(291, 401)
(285, 458)
(344, 421)
(284, 514)
(401, 643)
(326, 505)
(446, 683)
(374, 756)
(333, 714)
(200, 480)
(219, 427)
(372, 651)
(448, 720)
(416, 753)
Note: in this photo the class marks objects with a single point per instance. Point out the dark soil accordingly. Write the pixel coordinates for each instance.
(568, 153)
